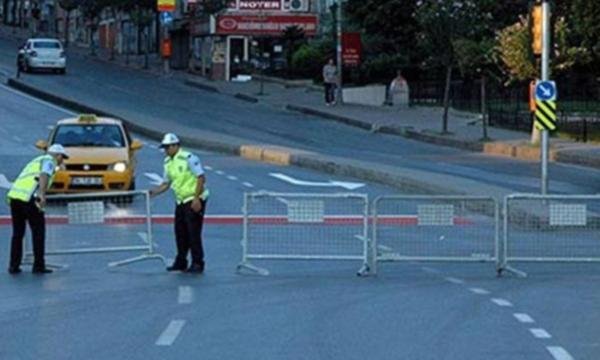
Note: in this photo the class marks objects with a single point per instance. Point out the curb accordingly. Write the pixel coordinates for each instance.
(328, 116)
(245, 97)
(198, 85)
(392, 130)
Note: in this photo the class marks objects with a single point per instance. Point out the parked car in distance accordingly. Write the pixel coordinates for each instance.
(42, 53)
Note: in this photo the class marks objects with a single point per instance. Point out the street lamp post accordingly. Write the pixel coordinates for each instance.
(545, 77)
(340, 66)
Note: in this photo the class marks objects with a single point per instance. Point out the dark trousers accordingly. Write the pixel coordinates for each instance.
(22, 213)
(329, 93)
(188, 233)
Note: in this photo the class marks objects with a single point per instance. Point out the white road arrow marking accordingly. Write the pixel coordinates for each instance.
(155, 179)
(330, 183)
(4, 183)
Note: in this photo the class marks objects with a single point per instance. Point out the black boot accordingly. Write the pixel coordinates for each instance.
(177, 266)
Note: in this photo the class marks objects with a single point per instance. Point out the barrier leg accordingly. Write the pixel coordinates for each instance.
(255, 269)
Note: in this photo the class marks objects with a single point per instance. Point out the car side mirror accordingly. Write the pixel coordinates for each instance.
(136, 145)
(41, 144)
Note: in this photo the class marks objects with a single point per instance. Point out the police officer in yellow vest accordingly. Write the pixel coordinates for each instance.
(184, 174)
(27, 198)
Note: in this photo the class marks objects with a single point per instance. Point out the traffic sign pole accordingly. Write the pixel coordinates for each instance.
(545, 77)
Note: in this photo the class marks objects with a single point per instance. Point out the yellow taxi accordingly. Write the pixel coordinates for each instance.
(101, 155)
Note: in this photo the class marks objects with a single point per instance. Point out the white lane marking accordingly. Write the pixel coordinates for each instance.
(455, 280)
(430, 270)
(219, 172)
(346, 185)
(38, 100)
(540, 333)
(479, 291)
(4, 183)
(155, 179)
(232, 178)
(559, 353)
(17, 139)
(247, 184)
(168, 337)
(502, 302)
(208, 167)
(524, 318)
(186, 295)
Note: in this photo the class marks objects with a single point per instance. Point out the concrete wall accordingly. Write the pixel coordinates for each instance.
(373, 95)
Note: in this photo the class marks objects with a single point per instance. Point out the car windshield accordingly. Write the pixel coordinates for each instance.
(46, 45)
(89, 135)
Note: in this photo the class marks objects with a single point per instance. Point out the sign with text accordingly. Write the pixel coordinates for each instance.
(273, 25)
(351, 49)
(166, 5)
(259, 4)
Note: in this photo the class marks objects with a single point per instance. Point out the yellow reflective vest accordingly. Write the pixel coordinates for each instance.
(27, 182)
(183, 180)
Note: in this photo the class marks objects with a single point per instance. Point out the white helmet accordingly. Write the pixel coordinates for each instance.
(57, 149)
(169, 139)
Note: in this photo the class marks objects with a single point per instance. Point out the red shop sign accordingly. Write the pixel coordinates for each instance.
(273, 25)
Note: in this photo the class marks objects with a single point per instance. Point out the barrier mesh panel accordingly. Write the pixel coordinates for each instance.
(561, 228)
(305, 226)
(95, 223)
(444, 228)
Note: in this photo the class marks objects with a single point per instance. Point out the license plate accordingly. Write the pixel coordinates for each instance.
(86, 181)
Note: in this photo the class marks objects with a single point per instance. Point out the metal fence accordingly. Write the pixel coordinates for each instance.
(99, 223)
(435, 228)
(290, 226)
(550, 228)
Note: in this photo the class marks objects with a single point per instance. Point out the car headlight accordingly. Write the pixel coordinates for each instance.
(119, 167)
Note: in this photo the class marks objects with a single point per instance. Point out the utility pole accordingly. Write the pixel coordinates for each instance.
(545, 77)
(340, 66)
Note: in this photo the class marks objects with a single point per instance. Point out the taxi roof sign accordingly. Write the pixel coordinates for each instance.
(89, 118)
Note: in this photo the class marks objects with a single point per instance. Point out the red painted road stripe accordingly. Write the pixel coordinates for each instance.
(401, 220)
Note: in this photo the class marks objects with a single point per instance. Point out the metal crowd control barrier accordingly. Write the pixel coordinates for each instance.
(550, 228)
(99, 223)
(298, 226)
(435, 228)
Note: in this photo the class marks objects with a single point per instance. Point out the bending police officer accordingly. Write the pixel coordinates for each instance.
(27, 198)
(184, 174)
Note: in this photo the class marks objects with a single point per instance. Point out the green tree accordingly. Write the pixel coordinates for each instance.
(585, 19)
(293, 38)
(443, 22)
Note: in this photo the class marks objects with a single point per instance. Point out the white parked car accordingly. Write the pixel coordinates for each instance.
(39, 53)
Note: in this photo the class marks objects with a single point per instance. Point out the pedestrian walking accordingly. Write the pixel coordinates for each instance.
(27, 198)
(184, 174)
(330, 81)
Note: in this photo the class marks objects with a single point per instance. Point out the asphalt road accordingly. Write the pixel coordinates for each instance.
(303, 310)
(126, 92)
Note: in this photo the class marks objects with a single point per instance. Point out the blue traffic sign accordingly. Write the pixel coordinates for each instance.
(545, 91)
(166, 18)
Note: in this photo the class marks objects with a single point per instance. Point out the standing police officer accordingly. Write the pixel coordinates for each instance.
(184, 174)
(27, 198)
